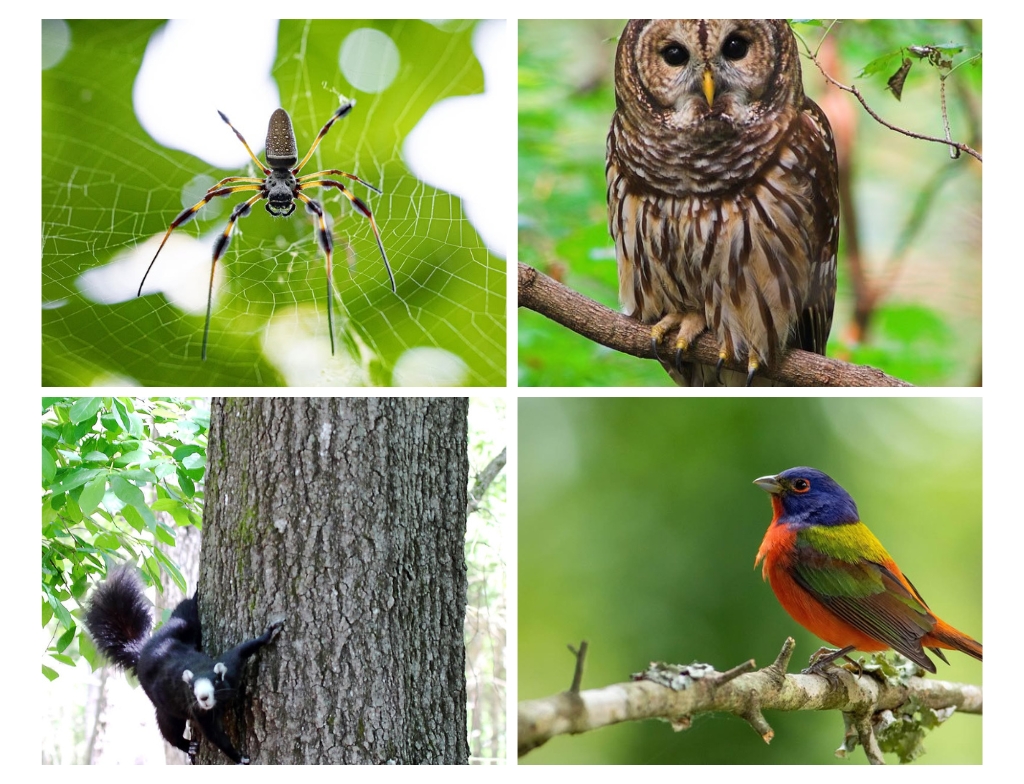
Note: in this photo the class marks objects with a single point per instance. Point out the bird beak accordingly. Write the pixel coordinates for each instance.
(709, 87)
(769, 484)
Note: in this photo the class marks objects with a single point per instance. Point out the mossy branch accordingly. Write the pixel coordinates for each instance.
(677, 693)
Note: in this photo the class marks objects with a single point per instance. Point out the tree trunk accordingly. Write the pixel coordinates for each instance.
(347, 517)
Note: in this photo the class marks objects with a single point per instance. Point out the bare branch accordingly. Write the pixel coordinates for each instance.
(483, 481)
(960, 146)
(577, 676)
(592, 320)
(677, 693)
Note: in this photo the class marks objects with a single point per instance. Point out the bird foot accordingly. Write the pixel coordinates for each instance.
(690, 324)
(824, 659)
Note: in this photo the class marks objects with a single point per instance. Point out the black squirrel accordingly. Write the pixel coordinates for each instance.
(180, 680)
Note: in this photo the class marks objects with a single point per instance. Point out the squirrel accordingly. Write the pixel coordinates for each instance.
(181, 681)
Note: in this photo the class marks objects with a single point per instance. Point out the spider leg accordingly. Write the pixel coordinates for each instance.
(342, 111)
(226, 180)
(360, 205)
(240, 211)
(187, 215)
(326, 172)
(326, 243)
(244, 142)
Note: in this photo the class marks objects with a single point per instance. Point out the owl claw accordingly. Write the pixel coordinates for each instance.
(718, 370)
(659, 330)
(751, 372)
(654, 344)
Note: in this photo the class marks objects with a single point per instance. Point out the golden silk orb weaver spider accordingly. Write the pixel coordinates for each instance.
(280, 186)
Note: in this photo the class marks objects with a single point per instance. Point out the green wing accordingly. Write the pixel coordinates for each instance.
(848, 571)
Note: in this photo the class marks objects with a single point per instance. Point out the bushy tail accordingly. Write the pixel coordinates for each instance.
(119, 618)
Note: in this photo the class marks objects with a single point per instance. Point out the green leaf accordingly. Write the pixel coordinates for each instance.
(164, 535)
(126, 491)
(85, 408)
(49, 673)
(76, 477)
(63, 616)
(184, 451)
(49, 466)
(187, 485)
(65, 639)
(172, 570)
(136, 456)
(121, 414)
(92, 494)
(109, 541)
(133, 518)
(164, 505)
(194, 462)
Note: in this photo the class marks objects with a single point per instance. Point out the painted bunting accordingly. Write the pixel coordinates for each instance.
(834, 577)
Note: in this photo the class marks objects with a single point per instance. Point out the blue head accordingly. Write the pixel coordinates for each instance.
(804, 497)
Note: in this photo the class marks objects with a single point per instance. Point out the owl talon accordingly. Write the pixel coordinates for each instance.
(718, 370)
(751, 372)
(662, 328)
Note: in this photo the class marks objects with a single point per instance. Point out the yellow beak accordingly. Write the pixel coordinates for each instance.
(709, 87)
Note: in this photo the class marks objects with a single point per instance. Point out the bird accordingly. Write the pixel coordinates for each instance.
(835, 579)
(723, 193)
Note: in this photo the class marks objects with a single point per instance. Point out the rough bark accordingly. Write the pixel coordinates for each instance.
(348, 518)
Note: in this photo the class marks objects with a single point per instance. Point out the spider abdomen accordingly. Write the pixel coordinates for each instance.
(282, 152)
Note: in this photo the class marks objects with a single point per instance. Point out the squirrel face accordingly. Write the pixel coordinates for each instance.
(203, 690)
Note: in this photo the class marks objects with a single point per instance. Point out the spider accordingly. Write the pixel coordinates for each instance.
(280, 187)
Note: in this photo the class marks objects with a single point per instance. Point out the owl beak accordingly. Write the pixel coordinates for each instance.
(709, 87)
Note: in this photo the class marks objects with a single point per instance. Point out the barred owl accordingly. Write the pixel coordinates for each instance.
(722, 191)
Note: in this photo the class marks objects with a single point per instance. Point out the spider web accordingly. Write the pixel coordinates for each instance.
(110, 190)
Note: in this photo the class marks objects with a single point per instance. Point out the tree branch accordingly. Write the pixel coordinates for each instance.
(483, 481)
(592, 320)
(677, 693)
(852, 89)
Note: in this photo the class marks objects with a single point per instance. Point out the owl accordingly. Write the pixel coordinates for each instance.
(723, 195)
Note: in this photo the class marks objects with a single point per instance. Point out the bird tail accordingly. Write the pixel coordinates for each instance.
(119, 618)
(945, 636)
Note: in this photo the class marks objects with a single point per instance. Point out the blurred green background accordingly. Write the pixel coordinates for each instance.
(108, 186)
(638, 528)
(918, 214)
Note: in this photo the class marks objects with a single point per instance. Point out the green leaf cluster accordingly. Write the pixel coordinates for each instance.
(109, 466)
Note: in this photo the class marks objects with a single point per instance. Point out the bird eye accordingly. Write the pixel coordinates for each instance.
(801, 485)
(735, 47)
(675, 55)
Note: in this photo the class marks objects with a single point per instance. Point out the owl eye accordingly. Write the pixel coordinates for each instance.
(675, 55)
(801, 485)
(735, 47)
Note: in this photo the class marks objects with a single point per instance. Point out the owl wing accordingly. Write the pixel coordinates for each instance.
(815, 320)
